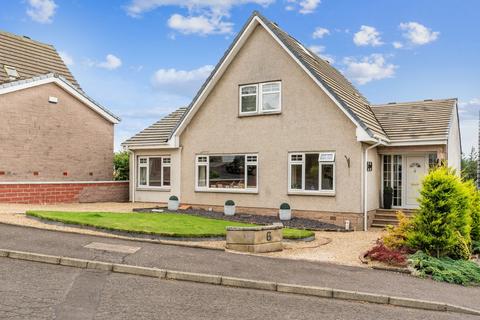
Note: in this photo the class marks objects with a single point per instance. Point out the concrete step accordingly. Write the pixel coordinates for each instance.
(385, 221)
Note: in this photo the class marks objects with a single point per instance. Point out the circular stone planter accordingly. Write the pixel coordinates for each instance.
(173, 205)
(229, 210)
(285, 214)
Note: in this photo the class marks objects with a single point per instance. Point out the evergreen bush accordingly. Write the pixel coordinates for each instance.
(442, 222)
(445, 269)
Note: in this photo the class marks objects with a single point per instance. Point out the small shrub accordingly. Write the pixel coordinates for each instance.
(474, 210)
(476, 247)
(284, 206)
(445, 269)
(396, 236)
(380, 252)
(461, 250)
(121, 167)
(173, 198)
(229, 203)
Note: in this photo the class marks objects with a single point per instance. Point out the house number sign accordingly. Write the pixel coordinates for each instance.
(269, 236)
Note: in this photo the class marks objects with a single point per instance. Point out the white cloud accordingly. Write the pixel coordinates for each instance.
(397, 45)
(373, 67)
(204, 16)
(182, 82)
(111, 62)
(320, 51)
(367, 36)
(41, 11)
(200, 24)
(469, 109)
(308, 6)
(319, 33)
(418, 34)
(67, 59)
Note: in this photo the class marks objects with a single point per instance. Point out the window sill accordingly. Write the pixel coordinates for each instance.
(259, 114)
(312, 193)
(159, 189)
(212, 190)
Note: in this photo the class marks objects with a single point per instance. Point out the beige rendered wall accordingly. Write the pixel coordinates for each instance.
(454, 152)
(309, 121)
(374, 180)
(37, 136)
(146, 194)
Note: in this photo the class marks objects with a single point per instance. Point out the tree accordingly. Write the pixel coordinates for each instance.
(469, 166)
(442, 223)
(121, 165)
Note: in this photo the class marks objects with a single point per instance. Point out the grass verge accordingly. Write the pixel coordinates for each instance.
(163, 224)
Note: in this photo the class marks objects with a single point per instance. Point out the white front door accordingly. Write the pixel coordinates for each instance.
(415, 172)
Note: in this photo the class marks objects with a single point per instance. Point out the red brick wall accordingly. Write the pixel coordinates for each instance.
(40, 193)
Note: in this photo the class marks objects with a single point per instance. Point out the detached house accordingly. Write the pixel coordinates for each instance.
(56, 142)
(275, 123)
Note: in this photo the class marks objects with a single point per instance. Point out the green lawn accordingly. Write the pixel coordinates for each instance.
(164, 224)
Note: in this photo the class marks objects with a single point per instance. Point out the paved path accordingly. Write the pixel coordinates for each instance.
(238, 265)
(30, 290)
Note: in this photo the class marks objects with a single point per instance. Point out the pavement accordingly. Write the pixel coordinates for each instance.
(238, 265)
(31, 290)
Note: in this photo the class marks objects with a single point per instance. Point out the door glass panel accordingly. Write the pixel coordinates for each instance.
(397, 180)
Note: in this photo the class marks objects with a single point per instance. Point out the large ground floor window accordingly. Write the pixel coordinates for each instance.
(233, 172)
(154, 171)
(312, 172)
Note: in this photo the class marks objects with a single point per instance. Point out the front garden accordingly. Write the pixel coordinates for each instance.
(443, 236)
(160, 224)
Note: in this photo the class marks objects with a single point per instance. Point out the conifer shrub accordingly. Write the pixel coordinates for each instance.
(396, 236)
(445, 269)
(442, 223)
(474, 210)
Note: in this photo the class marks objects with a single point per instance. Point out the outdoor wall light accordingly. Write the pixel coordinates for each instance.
(348, 161)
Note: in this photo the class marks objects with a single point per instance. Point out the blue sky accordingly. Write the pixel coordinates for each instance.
(144, 58)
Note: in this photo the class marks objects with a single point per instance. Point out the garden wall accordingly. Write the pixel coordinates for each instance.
(63, 192)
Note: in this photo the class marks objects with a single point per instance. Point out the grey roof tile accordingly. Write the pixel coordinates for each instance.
(427, 119)
(30, 58)
(159, 132)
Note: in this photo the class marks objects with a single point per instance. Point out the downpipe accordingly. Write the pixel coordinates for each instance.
(365, 187)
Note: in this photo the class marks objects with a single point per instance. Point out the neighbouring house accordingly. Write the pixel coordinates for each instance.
(276, 123)
(57, 143)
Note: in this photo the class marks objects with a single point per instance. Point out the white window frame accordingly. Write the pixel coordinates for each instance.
(259, 98)
(147, 166)
(248, 95)
(301, 162)
(248, 162)
(260, 105)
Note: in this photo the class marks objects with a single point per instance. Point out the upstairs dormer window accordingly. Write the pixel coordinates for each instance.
(11, 72)
(261, 98)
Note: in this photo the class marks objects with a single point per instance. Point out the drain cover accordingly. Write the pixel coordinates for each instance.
(112, 247)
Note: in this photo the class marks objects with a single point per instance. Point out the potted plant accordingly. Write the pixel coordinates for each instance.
(387, 197)
(285, 212)
(173, 203)
(229, 208)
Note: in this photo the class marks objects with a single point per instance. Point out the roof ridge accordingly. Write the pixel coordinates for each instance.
(25, 38)
(411, 102)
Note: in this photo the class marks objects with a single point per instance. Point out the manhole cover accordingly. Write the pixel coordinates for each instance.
(112, 247)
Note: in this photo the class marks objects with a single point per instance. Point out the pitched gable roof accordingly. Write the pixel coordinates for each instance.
(349, 100)
(158, 133)
(30, 58)
(337, 85)
(417, 120)
(13, 86)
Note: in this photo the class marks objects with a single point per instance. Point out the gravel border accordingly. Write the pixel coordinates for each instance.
(297, 223)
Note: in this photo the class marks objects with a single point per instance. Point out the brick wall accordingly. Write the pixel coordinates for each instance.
(43, 193)
(41, 141)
